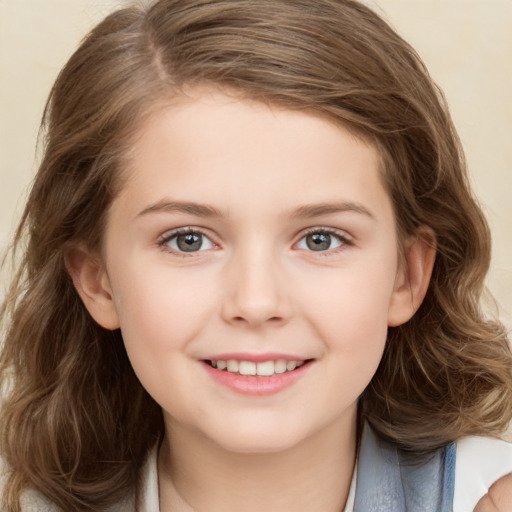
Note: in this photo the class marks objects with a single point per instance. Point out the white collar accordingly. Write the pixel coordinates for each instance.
(480, 462)
(148, 492)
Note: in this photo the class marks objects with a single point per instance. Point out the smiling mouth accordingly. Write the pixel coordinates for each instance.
(259, 369)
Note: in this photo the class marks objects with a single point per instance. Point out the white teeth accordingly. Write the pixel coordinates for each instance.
(232, 365)
(290, 365)
(247, 368)
(263, 369)
(266, 368)
(280, 366)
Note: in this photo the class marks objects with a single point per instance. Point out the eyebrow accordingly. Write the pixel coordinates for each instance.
(306, 211)
(167, 206)
(316, 210)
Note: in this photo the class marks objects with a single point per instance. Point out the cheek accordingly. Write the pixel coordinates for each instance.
(352, 300)
(161, 313)
(156, 327)
(159, 305)
(348, 309)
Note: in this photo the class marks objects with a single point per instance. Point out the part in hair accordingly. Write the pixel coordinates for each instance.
(76, 423)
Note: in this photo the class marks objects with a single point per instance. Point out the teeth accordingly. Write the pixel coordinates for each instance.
(263, 369)
(266, 368)
(280, 366)
(290, 365)
(232, 365)
(247, 368)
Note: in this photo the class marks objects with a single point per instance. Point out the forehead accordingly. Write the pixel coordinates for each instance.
(211, 147)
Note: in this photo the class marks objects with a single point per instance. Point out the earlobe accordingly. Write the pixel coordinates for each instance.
(93, 285)
(413, 276)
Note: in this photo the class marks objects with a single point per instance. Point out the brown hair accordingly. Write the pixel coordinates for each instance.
(76, 423)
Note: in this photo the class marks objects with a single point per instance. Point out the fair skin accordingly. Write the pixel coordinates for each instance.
(289, 252)
(499, 497)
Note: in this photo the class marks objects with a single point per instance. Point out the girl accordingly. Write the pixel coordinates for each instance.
(251, 275)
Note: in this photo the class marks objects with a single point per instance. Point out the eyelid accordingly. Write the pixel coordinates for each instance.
(346, 239)
(164, 239)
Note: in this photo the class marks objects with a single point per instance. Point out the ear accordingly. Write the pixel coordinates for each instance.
(413, 276)
(93, 285)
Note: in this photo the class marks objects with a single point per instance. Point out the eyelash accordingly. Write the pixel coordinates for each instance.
(345, 240)
(164, 241)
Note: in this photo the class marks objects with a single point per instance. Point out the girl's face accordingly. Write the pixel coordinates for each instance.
(251, 237)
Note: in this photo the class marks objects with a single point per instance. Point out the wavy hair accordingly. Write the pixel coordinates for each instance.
(76, 423)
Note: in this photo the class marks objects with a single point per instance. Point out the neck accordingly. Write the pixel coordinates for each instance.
(197, 475)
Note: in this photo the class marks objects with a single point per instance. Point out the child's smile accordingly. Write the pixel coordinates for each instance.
(222, 292)
(252, 260)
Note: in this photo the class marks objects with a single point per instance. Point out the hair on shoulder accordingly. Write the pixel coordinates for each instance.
(76, 423)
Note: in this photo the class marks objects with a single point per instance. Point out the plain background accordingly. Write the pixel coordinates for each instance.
(466, 44)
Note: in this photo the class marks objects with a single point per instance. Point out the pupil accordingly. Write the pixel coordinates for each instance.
(318, 241)
(190, 242)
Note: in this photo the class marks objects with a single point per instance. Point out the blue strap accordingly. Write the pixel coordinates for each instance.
(389, 481)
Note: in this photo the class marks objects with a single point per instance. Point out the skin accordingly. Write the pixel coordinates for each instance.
(254, 286)
(499, 497)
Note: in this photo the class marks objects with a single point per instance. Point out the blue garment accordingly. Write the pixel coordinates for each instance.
(387, 480)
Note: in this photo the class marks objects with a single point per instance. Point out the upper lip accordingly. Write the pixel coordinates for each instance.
(256, 358)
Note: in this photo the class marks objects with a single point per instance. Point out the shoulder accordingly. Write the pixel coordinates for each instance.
(499, 497)
(33, 501)
(480, 464)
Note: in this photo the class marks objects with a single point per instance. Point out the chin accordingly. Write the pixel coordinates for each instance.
(257, 441)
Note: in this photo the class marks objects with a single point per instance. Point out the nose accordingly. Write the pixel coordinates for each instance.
(256, 292)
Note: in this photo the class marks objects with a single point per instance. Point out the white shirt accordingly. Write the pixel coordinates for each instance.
(480, 461)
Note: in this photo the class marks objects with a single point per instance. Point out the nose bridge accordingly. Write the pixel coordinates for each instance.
(255, 291)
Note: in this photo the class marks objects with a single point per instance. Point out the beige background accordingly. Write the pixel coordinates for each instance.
(467, 45)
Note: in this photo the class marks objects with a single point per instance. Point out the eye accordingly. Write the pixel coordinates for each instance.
(322, 240)
(187, 240)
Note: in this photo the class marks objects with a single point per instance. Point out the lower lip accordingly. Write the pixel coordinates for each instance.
(254, 385)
